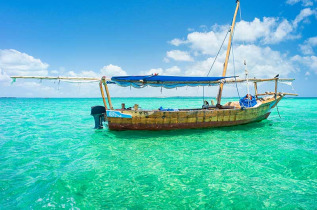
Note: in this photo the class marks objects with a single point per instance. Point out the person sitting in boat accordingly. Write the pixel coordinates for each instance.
(248, 101)
(206, 105)
(248, 96)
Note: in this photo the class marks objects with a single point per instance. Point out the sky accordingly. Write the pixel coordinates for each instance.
(115, 38)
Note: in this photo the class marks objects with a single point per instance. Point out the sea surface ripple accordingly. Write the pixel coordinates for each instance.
(50, 156)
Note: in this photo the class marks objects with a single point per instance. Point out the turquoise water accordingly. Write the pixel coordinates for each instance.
(51, 157)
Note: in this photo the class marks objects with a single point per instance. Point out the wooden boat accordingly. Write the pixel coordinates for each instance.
(189, 118)
(232, 113)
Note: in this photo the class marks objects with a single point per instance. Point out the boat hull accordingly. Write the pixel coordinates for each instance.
(189, 119)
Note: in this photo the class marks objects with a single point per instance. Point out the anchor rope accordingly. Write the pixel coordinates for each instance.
(278, 111)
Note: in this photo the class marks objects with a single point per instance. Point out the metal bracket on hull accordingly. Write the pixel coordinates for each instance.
(117, 114)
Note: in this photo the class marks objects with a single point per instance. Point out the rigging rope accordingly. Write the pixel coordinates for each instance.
(234, 71)
(232, 57)
(218, 52)
(241, 19)
(215, 61)
(234, 66)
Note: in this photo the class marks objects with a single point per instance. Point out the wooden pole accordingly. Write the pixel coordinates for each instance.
(57, 78)
(276, 79)
(87, 79)
(273, 93)
(256, 89)
(107, 91)
(103, 94)
(228, 53)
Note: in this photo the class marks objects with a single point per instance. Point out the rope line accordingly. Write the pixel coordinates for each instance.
(218, 52)
(234, 71)
(215, 61)
(278, 111)
(234, 66)
(229, 52)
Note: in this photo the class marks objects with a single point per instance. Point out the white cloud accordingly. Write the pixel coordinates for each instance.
(4, 77)
(153, 71)
(201, 68)
(310, 62)
(305, 3)
(269, 30)
(280, 33)
(261, 62)
(14, 62)
(302, 16)
(206, 42)
(112, 70)
(178, 55)
(108, 71)
(177, 42)
(175, 70)
(84, 74)
(35, 86)
(309, 44)
(252, 31)
(166, 60)
(54, 72)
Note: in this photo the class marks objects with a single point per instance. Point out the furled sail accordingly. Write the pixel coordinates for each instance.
(157, 80)
(165, 81)
(285, 81)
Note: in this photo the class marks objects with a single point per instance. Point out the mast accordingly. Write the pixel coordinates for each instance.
(228, 53)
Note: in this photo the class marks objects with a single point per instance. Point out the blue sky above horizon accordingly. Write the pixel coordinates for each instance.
(79, 38)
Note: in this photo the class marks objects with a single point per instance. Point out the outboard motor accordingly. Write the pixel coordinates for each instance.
(98, 113)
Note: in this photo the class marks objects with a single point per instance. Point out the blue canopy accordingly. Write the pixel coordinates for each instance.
(165, 81)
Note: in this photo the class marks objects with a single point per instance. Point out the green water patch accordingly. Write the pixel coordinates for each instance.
(51, 157)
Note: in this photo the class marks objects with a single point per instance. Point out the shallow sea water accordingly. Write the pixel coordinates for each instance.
(51, 157)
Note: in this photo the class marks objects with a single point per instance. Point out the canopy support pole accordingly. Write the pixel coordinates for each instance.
(107, 92)
(227, 56)
(276, 79)
(103, 94)
(256, 89)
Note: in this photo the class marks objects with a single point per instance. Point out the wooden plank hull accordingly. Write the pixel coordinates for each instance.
(189, 119)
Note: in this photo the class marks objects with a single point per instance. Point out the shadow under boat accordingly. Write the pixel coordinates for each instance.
(144, 134)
